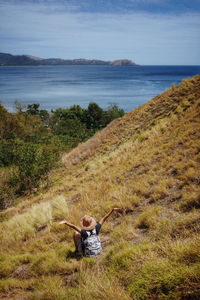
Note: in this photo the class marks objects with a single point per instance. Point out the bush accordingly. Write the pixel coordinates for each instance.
(6, 196)
(6, 191)
(33, 164)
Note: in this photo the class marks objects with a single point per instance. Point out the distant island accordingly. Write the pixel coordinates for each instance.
(7, 59)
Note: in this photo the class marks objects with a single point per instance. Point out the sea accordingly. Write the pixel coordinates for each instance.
(63, 86)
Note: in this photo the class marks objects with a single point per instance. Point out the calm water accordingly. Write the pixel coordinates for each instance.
(63, 86)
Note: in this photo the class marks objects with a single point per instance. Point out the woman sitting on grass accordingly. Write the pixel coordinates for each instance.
(86, 240)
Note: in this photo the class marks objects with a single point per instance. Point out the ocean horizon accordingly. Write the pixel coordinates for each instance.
(63, 86)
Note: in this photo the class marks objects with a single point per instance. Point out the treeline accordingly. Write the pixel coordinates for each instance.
(32, 139)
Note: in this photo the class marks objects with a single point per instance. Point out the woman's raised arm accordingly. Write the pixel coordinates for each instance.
(71, 225)
(106, 216)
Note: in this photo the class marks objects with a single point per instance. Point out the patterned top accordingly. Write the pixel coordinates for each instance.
(91, 241)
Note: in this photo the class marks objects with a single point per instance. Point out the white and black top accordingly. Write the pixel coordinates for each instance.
(91, 243)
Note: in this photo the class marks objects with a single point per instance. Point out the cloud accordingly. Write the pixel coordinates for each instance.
(147, 38)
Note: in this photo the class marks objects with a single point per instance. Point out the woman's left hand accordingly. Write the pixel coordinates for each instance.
(63, 222)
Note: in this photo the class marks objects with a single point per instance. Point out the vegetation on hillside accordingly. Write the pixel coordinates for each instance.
(147, 162)
(32, 140)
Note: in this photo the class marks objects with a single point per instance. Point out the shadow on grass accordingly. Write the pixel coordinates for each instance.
(73, 254)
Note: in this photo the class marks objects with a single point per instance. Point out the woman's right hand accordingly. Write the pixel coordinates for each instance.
(118, 209)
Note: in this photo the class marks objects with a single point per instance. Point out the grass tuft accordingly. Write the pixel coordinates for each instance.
(148, 219)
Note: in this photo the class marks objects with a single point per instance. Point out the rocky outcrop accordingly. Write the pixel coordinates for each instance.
(123, 62)
(28, 60)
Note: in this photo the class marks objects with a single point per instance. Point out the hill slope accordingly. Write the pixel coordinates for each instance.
(146, 162)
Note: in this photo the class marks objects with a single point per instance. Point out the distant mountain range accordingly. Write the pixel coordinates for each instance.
(28, 60)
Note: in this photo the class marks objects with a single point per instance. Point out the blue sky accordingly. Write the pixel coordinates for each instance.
(150, 32)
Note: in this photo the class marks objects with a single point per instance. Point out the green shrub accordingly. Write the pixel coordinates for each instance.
(33, 164)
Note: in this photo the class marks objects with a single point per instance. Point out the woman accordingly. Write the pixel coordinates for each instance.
(86, 240)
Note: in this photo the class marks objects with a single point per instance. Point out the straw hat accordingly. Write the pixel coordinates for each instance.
(88, 223)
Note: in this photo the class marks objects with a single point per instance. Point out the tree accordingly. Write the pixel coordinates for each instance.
(19, 107)
(32, 109)
(78, 111)
(94, 116)
(113, 112)
(70, 127)
(45, 117)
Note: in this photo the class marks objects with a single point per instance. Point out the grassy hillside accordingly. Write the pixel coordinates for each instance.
(146, 162)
